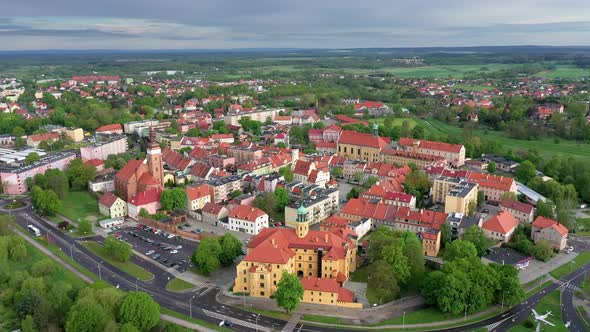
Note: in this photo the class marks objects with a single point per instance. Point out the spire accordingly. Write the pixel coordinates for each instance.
(375, 130)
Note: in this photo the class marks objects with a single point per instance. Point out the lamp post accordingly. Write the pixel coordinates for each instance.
(257, 322)
(190, 306)
(136, 284)
(99, 274)
(404, 321)
(72, 251)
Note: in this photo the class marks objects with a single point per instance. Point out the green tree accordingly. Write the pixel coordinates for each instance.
(545, 209)
(394, 255)
(371, 180)
(84, 227)
(173, 199)
(445, 234)
(86, 316)
(509, 289)
(289, 292)
(281, 145)
(45, 201)
(79, 174)
(460, 249)
(526, 171)
(543, 250)
(417, 184)
(481, 197)
(508, 195)
(337, 172)
(235, 193)
(119, 250)
(287, 173)
(492, 168)
(475, 235)
(20, 142)
(382, 281)
(18, 131)
(283, 198)
(471, 208)
(357, 176)
(58, 182)
(27, 324)
(41, 180)
(139, 309)
(231, 248)
(353, 193)
(32, 157)
(128, 327)
(206, 257)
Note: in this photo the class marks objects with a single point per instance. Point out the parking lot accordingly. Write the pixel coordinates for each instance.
(166, 249)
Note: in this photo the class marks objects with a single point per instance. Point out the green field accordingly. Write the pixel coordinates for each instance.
(583, 226)
(568, 267)
(178, 285)
(565, 71)
(546, 147)
(127, 267)
(79, 205)
(551, 302)
(323, 319)
(270, 313)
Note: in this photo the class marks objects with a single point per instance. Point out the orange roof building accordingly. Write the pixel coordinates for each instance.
(500, 227)
(549, 230)
(324, 259)
(454, 153)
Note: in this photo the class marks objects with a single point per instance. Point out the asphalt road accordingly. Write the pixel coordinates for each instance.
(203, 304)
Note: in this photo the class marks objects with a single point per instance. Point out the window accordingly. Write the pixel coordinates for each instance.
(244, 279)
(300, 257)
(261, 285)
(262, 276)
(299, 264)
(261, 293)
(275, 282)
(310, 266)
(309, 257)
(243, 271)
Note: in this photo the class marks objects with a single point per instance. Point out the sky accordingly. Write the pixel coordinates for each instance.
(231, 24)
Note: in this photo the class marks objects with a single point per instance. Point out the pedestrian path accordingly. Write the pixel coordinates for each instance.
(566, 285)
(235, 321)
(292, 323)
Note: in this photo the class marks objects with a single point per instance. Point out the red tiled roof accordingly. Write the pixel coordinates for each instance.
(320, 284)
(145, 197)
(212, 208)
(368, 104)
(345, 295)
(501, 223)
(248, 213)
(431, 145)
(542, 222)
(43, 137)
(94, 162)
(110, 127)
(197, 192)
(108, 199)
(363, 139)
(516, 205)
(148, 179)
(129, 169)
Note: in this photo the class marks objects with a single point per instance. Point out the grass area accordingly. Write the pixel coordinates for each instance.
(538, 288)
(568, 267)
(269, 313)
(583, 315)
(322, 319)
(178, 285)
(14, 205)
(78, 205)
(173, 313)
(427, 315)
(127, 267)
(547, 147)
(552, 302)
(360, 275)
(583, 226)
(565, 71)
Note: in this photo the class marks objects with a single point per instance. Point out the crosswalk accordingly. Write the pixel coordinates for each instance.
(565, 285)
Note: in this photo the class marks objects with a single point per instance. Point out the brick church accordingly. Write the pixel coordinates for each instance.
(141, 175)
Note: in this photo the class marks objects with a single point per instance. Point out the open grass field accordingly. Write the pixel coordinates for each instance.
(552, 302)
(546, 147)
(127, 267)
(79, 205)
(568, 267)
(583, 225)
(178, 285)
(565, 71)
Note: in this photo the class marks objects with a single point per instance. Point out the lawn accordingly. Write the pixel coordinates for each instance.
(427, 315)
(565, 71)
(178, 285)
(547, 147)
(360, 275)
(14, 205)
(323, 319)
(127, 267)
(173, 313)
(552, 302)
(583, 226)
(79, 205)
(568, 267)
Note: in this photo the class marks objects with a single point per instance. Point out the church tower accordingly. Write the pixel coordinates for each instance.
(375, 129)
(154, 158)
(302, 222)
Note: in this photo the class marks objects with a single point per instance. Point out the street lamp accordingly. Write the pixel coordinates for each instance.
(404, 321)
(99, 274)
(257, 322)
(190, 306)
(136, 284)
(72, 252)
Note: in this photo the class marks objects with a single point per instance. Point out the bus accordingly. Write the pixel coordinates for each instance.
(34, 230)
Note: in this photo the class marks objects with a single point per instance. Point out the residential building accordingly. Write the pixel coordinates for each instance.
(551, 231)
(502, 164)
(223, 187)
(453, 153)
(14, 178)
(110, 129)
(148, 200)
(331, 134)
(372, 108)
(102, 184)
(197, 196)
(522, 211)
(401, 157)
(493, 186)
(456, 193)
(243, 154)
(36, 139)
(212, 213)
(112, 206)
(460, 222)
(131, 127)
(303, 252)
(102, 149)
(75, 134)
(247, 219)
(318, 207)
(500, 227)
(311, 173)
(359, 227)
(233, 116)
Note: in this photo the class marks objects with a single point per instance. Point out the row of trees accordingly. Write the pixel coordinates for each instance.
(215, 252)
(521, 242)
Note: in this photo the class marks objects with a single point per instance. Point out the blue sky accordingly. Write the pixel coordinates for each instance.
(197, 24)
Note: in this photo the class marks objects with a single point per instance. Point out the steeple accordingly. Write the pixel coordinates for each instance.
(375, 130)
(154, 158)
(302, 222)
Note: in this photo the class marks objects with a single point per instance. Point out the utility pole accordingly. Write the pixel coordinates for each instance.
(190, 306)
(99, 274)
(72, 252)
(257, 322)
(404, 321)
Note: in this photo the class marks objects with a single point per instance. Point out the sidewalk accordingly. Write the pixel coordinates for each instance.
(184, 323)
(537, 268)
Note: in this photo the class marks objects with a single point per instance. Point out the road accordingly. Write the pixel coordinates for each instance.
(203, 303)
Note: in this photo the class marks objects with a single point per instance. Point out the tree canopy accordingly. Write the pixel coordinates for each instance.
(289, 292)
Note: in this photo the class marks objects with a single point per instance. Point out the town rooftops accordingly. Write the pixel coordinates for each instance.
(363, 139)
(197, 192)
(212, 208)
(245, 212)
(516, 205)
(542, 222)
(501, 223)
(431, 145)
(145, 197)
(129, 169)
(43, 137)
(110, 127)
(108, 199)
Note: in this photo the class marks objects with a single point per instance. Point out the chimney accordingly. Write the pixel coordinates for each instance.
(274, 243)
(326, 238)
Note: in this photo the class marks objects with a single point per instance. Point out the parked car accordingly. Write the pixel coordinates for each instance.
(485, 211)
(156, 256)
(174, 251)
(226, 322)
(178, 247)
(170, 236)
(140, 226)
(150, 252)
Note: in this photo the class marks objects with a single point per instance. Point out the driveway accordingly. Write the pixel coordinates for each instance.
(537, 268)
